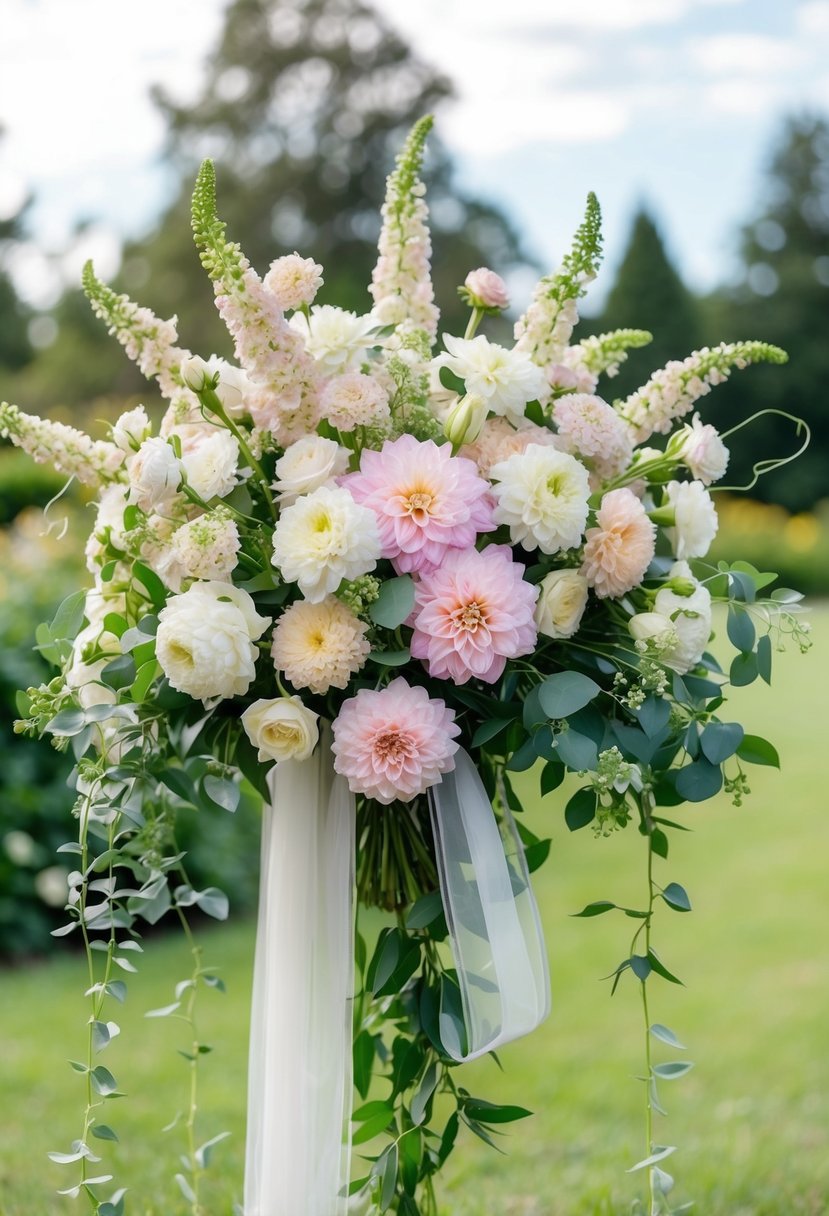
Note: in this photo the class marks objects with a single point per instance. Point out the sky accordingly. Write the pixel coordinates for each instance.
(671, 103)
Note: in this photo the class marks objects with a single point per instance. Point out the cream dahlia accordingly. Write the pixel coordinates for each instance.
(542, 495)
(620, 548)
(319, 646)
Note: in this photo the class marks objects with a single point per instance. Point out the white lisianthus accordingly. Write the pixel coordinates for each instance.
(542, 495)
(282, 729)
(195, 373)
(211, 464)
(309, 463)
(505, 379)
(701, 450)
(205, 640)
(323, 538)
(652, 628)
(695, 517)
(337, 338)
(690, 616)
(562, 599)
(131, 429)
(154, 475)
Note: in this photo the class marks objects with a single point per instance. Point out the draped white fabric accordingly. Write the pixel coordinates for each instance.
(300, 1072)
(494, 926)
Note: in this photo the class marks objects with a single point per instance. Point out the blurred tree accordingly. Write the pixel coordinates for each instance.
(15, 348)
(649, 294)
(783, 297)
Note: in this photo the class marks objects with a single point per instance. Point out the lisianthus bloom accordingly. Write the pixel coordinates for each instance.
(232, 384)
(589, 428)
(505, 379)
(696, 519)
(691, 619)
(542, 495)
(154, 474)
(427, 501)
(319, 646)
(620, 548)
(293, 280)
(337, 338)
(699, 446)
(281, 729)
(562, 599)
(205, 640)
(393, 744)
(323, 538)
(306, 465)
(472, 614)
(131, 429)
(486, 289)
(353, 400)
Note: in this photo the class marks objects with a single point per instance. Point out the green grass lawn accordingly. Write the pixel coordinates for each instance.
(751, 1120)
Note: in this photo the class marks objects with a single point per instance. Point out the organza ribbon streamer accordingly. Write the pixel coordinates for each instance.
(300, 1071)
(494, 926)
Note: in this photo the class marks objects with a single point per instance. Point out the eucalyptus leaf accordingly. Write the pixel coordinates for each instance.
(566, 692)
(394, 603)
(673, 1070)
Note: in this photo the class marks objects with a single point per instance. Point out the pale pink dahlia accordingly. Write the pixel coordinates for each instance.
(498, 440)
(393, 744)
(472, 614)
(427, 501)
(619, 550)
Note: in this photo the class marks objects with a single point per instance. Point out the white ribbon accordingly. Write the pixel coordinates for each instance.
(494, 926)
(300, 1075)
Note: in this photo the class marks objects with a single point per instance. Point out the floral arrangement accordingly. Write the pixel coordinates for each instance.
(430, 547)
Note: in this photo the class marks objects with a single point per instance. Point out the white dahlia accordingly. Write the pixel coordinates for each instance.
(323, 538)
(542, 496)
(505, 379)
(320, 646)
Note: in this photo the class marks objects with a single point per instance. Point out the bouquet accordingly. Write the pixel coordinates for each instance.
(372, 576)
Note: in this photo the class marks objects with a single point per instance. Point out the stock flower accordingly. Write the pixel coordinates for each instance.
(486, 288)
(427, 502)
(337, 338)
(701, 450)
(281, 729)
(542, 495)
(696, 519)
(205, 640)
(620, 548)
(353, 400)
(505, 379)
(293, 281)
(690, 616)
(211, 464)
(472, 614)
(323, 538)
(589, 428)
(319, 646)
(562, 599)
(207, 547)
(154, 475)
(306, 465)
(393, 744)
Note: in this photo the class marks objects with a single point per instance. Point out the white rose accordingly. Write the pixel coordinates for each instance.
(337, 339)
(282, 729)
(695, 519)
(690, 616)
(205, 640)
(154, 475)
(309, 463)
(562, 599)
(652, 627)
(700, 448)
(131, 429)
(211, 464)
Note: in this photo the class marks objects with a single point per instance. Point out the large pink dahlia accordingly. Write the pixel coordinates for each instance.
(426, 500)
(393, 744)
(472, 614)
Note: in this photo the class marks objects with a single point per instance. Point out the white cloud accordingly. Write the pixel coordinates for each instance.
(742, 97)
(568, 116)
(813, 17)
(745, 54)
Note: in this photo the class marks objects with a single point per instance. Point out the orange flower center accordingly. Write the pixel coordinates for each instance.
(392, 747)
(470, 616)
(417, 504)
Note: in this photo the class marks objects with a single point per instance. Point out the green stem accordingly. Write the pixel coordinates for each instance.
(211, 402)
(473, 323)
(647, 807)
(193, 1063)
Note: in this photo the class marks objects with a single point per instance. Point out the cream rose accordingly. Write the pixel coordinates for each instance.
(562, 599)
(652, 627)
(282, 729)
(309, 463)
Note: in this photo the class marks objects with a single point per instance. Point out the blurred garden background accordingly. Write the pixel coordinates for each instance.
(704, 127)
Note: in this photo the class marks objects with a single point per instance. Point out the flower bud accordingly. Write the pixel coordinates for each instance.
(486, 289)
(682, 586)
(196, 374)
(465, 420)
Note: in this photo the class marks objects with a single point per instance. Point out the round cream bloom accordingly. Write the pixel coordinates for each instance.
(212, 463)
(154, 475)
(353, 400)
(696, 519)
(131, 429)
(505, 379)
(294, 281)
(562, 599)
(337, 339)
(690, 616)
(282, 729)
(701, 450)
(309, 463)
(323, 538)
(542, 495)
(652, 627)
(319, 646)
(207, 547)
(205, 640)
(620, 548)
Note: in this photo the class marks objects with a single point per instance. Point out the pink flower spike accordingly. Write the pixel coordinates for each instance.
(472, 614)
(427, 501)
(394, 743)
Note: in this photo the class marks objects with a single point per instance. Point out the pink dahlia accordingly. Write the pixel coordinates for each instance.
(472, 614)
(393, 744)
(426, 500)
(619, 550)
